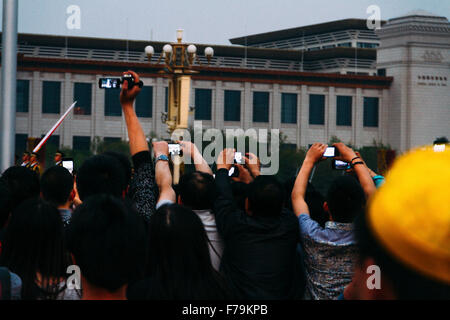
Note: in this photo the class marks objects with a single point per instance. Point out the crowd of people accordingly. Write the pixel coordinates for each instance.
(134, 235)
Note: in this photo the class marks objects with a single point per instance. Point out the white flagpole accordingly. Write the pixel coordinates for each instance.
(50, 132)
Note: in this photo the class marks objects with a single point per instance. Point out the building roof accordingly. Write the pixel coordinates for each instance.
(219, 50)
(355, 24)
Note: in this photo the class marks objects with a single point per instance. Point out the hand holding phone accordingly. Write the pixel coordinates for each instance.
(331, 152)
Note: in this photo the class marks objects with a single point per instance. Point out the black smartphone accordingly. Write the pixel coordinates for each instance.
(233, 172)
(340, 165)
(68, 164)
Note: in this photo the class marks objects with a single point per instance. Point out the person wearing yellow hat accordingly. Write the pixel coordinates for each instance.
(404, 237)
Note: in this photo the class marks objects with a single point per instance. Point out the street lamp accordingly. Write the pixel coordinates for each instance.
(178, 59)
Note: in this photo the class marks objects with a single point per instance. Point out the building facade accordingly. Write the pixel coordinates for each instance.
(337, 79)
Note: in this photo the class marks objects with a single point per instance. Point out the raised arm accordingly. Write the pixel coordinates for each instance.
(360, 168)
(162, 171)
(142, 190)
(224, 204)
(191, 150)
(313, 155)
(138, 141)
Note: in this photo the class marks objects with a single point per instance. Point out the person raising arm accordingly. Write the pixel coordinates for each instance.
(190, 150)
(142, 190)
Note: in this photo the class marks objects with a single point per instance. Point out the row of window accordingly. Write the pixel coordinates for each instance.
(232, 108)
(51, 103)
(82, 93)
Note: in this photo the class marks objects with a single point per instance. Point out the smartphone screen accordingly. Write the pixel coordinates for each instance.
(330, 152)
(174, 149)
(439, 148)
(68, 164)
(341, 165)
(238, 157)
(109, 83)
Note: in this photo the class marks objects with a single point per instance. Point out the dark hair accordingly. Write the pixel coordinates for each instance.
(124, 162)
(197, 190)
(56, 185)
(345, 199)
(407, 283)
(100, 174)
(441, 140)
(5, 203)
(108, 240)
(315, 200)
(22, 183)
(266, 196)
(34, 242)
(179, 261)
(35, 154)
(59, 152)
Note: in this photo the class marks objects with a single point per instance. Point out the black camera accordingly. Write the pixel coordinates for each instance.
(114, 83)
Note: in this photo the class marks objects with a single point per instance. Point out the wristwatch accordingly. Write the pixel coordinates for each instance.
(162, 157)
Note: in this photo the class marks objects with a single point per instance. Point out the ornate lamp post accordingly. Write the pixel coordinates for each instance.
(179, 59)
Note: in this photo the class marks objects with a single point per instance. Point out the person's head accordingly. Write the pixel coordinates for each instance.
(25, 156)
(34, 243)
(101, 174)
(58, 156)
(196, 190)
(57, 186)
(5, 204)
(405, 231)
(124, 162)
(108, 240)
(441, 140)
(265, 197)
(179, 260)
(22, 184)
(34, 157)
(345, 199)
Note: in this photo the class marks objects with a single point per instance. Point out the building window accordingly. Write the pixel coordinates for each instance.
(288, 108)
(317, 109)
(51, 97)
(232, 107)
(21, 144)
(144, 102)
(111, 140)
(367, 45)
(82, 94)
(112, 103)
(345, 44)
(23, 95)
(81, 143)
(344, 111)
(203, 104)
(260, 106)
(370, 112)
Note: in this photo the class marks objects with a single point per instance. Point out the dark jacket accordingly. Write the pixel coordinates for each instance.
(260, 259)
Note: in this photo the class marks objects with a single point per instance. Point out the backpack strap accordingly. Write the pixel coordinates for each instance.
(5, 284)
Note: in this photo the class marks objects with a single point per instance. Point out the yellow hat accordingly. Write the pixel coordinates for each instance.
(410, 213)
